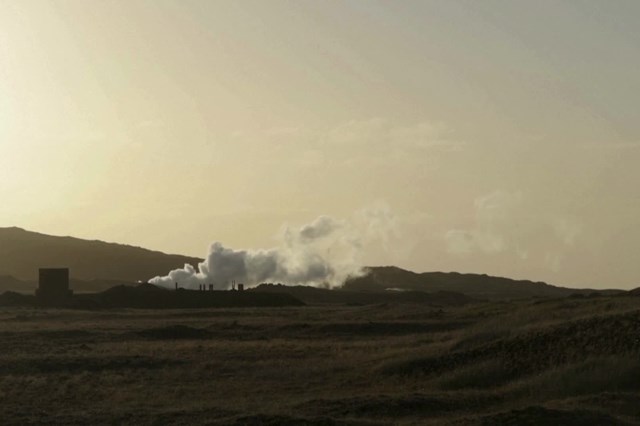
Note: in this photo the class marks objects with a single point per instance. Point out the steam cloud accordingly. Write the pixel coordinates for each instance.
(323, 253)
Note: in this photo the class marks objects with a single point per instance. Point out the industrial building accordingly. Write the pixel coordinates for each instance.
(53, 287)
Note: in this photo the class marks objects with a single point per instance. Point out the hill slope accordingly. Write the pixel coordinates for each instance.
(313, 296)
(97, 265)
(23, 252)
(474, 285)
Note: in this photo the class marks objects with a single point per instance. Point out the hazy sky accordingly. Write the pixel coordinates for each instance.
(500, 137)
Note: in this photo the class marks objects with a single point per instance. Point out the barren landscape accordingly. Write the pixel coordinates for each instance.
(308, 212)
(570, 361)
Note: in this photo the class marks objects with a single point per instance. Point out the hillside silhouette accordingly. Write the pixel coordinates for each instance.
(96, 266)
(475, 285)
(149, 296)
(322, 296)
(22, 252)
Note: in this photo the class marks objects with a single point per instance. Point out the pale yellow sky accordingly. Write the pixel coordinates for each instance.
(497, 137)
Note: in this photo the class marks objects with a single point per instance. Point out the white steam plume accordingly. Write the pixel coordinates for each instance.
(323, 253)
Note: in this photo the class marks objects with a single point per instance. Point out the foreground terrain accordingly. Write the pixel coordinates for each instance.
(563, 361)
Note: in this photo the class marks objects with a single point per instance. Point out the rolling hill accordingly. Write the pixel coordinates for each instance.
(23, 252)
(98, 265)
(321, 296)
(475, 285)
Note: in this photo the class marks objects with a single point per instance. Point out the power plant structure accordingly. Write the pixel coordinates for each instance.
(54, 292)
(240, 286)
(210, 287)
(53, 286)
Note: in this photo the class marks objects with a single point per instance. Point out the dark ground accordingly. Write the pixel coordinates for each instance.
(570, 361)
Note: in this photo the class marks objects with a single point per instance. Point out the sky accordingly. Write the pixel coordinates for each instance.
(492, 137)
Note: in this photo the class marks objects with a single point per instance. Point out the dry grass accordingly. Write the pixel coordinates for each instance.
(374, 364)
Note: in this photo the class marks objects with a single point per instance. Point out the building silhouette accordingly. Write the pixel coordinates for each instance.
(53, 287)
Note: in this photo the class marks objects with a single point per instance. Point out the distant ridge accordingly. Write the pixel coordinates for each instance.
(314, 296)
(479, 286)
(22, 252)
(97, 265)
(148, 296)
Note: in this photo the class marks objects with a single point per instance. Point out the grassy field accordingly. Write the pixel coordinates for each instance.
(563, 361)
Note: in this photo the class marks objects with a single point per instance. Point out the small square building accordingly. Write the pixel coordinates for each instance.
(53, 286)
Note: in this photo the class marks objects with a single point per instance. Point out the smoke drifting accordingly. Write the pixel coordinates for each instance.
(322, 253)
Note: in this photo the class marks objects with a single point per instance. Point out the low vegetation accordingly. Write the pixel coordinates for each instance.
(570, 361)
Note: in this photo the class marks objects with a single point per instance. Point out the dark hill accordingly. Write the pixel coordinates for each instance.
(312, 295)
(9, 283)
(97, 265)
(23, 252)
(149, 296)
(474, 285)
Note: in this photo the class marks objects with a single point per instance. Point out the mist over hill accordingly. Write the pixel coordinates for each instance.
(98, 265)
